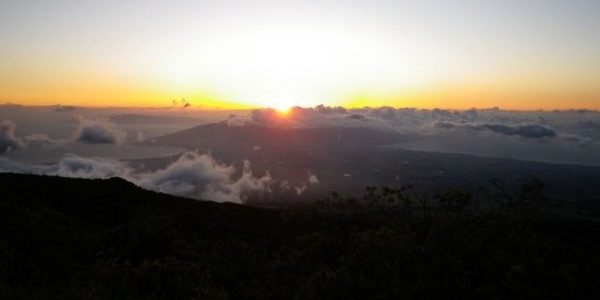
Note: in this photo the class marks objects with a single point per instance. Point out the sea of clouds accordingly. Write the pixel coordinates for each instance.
(193, 175)
(571, 136)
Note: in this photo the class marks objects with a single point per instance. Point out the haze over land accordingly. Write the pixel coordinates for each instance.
(301, 149)
(304, 153)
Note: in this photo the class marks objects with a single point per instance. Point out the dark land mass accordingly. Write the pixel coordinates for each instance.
(149, 119)
(348, 159)
(108, 239)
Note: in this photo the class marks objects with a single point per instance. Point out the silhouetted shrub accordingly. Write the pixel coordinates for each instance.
(94, 239)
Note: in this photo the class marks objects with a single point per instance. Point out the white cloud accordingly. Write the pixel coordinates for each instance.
(99, 132)
(8, 141)
(193, 175)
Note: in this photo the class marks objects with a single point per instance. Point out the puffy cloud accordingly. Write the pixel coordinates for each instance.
(453, 130)
(300, 189)
(10, 166)
(71, 166)
(64, 108)
(536, 124)
(445, 125)
(193, 175)
(201, 176)
(312, 178)
(81, 167)
(526, 130)
(39, 138)
(589, 125)
(582, 141)
(319, 116)
(99, 132)
(8, 141)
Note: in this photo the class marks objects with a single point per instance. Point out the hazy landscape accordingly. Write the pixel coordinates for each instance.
(299, 149)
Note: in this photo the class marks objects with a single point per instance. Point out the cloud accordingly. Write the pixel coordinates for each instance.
(39, 138)
(80, 167)
(8, 141)
(589, 125)
(403, 120)
(183, 103)
(72, 166)
(201, 176)
(582, 141)
(139, 137)
(193, 175)
(442, 130)
(300, 189)
(526, 130)
(10, 166)
(319, 116)
(99, 132)
(312, 178)
(64, 108)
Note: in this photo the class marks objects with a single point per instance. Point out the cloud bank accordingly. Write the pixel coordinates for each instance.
(99, 132)
(525, 130)
(201, 176)
(8, 141)
(193, 175)
(569, 136)
(565, 125)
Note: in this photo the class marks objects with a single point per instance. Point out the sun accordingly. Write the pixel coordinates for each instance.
(283, 112)
(282, 108)
(282, 65)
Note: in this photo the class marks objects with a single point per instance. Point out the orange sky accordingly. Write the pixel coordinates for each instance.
(220, 54)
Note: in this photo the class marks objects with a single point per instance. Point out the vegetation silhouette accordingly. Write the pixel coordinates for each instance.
(108, 239)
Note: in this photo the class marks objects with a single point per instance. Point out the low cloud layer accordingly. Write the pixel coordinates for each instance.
(64, 108)
(525, 130)
(521, 124)
(8, 141)
(517, 123)
(99, 132)
(561, 135)
(201, 176)
(193, 175)
(570, 136)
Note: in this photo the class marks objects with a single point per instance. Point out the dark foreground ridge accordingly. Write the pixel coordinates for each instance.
(107, 239)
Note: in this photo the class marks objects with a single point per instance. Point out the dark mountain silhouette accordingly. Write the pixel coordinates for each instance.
(149, 119)
(239, 142)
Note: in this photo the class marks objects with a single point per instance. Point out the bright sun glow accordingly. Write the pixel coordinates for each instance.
(281, 54)
(282, 107)
(283, 112)
(281, 65)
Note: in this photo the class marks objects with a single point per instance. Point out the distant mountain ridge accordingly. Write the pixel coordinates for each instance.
(346, 159)
(141, 119)
(240, 141)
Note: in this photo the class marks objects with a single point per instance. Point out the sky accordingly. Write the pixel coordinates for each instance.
(243, 54)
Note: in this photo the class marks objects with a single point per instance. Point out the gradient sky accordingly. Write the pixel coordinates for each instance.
(238, 54)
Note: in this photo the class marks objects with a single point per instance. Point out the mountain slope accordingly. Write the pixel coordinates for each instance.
(107, 239)
(243, 141)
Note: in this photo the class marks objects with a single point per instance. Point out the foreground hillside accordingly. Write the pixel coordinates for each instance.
(107, 239)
